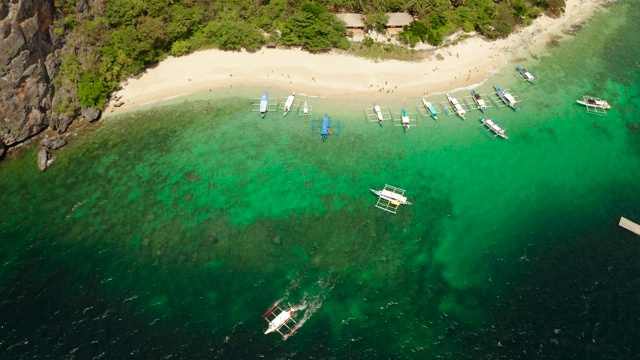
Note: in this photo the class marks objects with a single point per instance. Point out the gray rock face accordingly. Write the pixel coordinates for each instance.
(25, 90)
(91, 114)
(43, 159)
(53, 143)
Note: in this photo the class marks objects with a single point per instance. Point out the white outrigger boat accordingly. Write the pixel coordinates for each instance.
(430, 108)
(479, 101)
(495, 128)
(288, 103)
(282, 322)
(406, 121)
(390, 198)
(378, 111)
(507, 98)
(590, 101)
(264, 104)
(456, 106)
(305, 109)
(526, 75)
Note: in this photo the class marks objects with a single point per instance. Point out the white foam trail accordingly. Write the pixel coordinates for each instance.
(313, 304)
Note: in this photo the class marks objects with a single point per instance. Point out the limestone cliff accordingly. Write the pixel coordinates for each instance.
(27, 65)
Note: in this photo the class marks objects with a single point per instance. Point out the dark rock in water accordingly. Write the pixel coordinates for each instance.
(3, 150)
(91, 114)
(43, 159)
(214, 240)
(53, 143)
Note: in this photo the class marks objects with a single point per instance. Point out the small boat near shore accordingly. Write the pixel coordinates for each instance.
(378, 111)
(526, 75)
(405, 120)
(494, 127)
(264, 104)
(479, 101)
(326, 127)
(289, 103)
(305, 109)
(456, 106)
(390, 198)
(507, 98)
(430, 108)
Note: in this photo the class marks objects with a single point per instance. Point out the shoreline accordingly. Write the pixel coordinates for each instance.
(335, 76)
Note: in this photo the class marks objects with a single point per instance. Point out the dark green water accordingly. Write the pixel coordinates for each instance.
(510, 251)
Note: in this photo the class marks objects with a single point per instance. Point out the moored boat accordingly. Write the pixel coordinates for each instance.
(479, 101)
(494, 127)
(456, 106)
(430, 108)
(390, 198)
(288, 103)
(590, 101)
(264, 104)
(378, 111)
(326, 127)
(305, 109)
(507, 98)
(405, 120)
(526, 74)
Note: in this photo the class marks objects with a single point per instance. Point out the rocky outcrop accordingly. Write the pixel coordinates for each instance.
(27, 67)
(43, 159)
(53, 143)
(91, 114)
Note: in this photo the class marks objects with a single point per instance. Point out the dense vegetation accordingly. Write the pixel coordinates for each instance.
(118, 38)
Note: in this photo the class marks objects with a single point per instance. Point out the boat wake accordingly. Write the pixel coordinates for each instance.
(310, 304)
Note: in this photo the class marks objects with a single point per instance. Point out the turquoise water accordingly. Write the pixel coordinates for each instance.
(167, 233)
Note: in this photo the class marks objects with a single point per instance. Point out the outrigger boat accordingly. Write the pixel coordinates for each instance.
(430, 108)
(405, 120)
(456, 106)
(282, 322)
(491, 125)
(479, 101)
(526, 75)
(326, 127)
(390, 198)
(288, 103)
(305, 109)
(378, 112)
(264, 104)
(590, 101)
(506, 97)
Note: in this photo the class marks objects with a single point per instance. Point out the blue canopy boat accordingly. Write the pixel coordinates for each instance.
(406, 121)
(432, 110)
(326, 127)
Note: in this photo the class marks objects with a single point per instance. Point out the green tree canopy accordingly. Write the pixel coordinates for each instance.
(315, 30)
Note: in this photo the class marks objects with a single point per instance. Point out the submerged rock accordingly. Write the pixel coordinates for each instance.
(43, 159)
(53, 143)
(214, 240)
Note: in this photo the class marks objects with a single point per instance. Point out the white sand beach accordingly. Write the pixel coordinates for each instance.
(332, 75)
